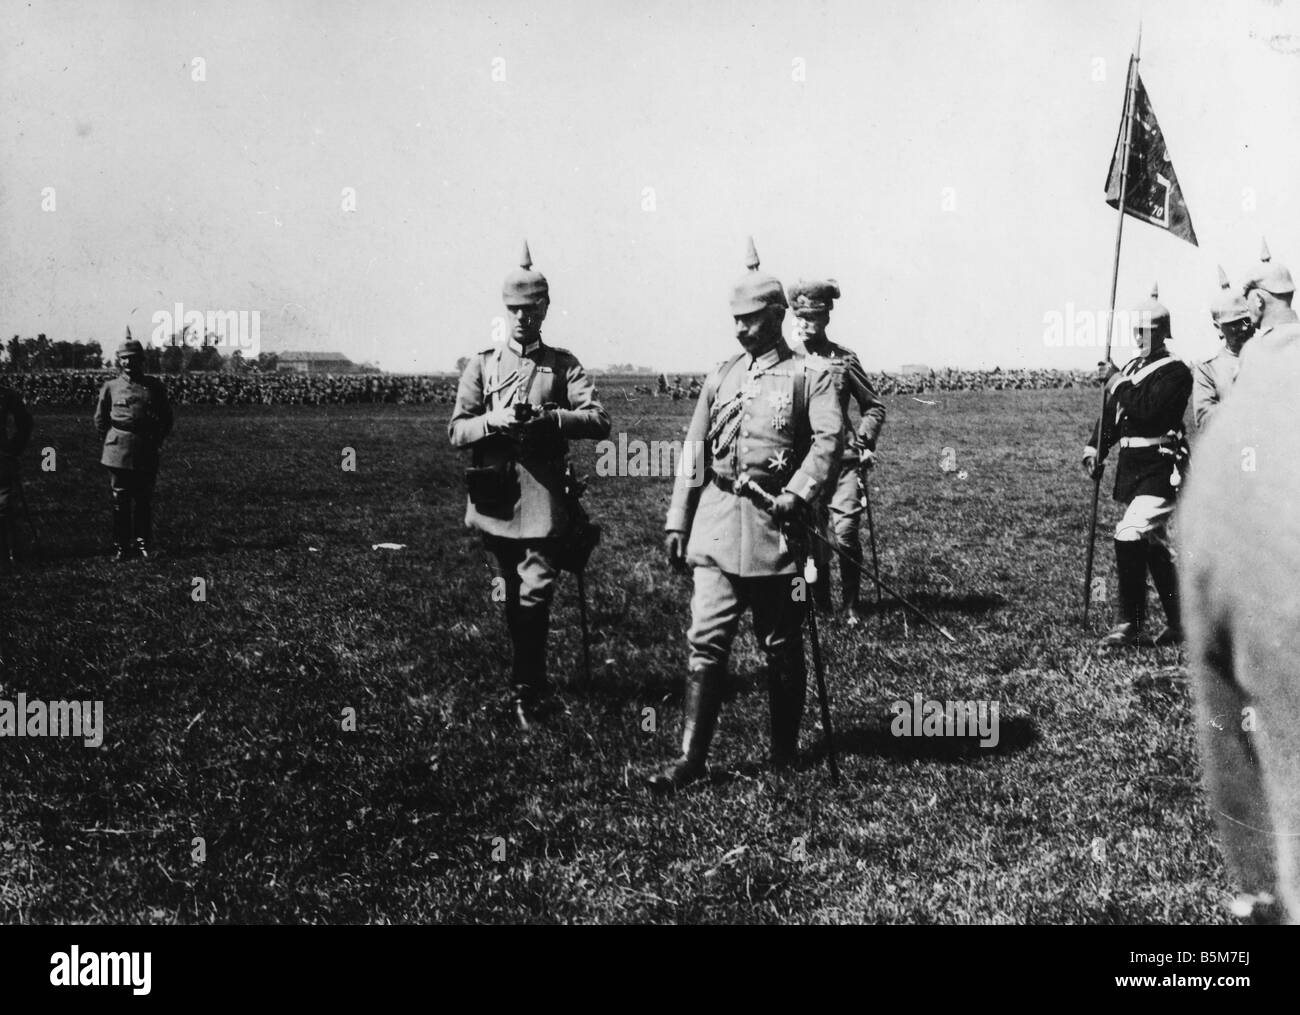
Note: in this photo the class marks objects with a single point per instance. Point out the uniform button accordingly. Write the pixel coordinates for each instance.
(746, 417)
(745, 432)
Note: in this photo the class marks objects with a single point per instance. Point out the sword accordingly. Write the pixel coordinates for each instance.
(871, 528)
(582, 616)
(812, 531)
(746, 485)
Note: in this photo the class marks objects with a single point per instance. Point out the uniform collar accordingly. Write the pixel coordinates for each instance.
(524, 350)
(771, 358)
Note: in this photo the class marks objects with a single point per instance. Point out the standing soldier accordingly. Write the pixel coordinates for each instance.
(133, 418)
(775, 417)
(1212, 378)
(811, 303)
(12, 441)
(1144, 416)
(516, 409)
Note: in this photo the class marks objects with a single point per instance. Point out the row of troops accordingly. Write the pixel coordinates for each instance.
(81, 387)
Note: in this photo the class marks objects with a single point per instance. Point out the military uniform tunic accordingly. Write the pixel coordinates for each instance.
(507, 376)
(728, 531)
(133, 419)
(1147, 403)
(776, 418)
(1211, 380)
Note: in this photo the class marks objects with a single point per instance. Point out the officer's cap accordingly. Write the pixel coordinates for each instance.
(1229, 305)
(1151, 314)
(757, 289)
(1269, 276)
(815, 295)
(523, 285)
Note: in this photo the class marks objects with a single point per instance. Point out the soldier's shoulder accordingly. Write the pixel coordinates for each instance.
(563, 355)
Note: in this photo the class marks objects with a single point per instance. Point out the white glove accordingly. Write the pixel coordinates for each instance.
(501, 418)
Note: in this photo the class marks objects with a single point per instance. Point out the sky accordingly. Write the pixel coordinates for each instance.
(944, 161)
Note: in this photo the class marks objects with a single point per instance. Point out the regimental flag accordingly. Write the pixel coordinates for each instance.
(1153, 192)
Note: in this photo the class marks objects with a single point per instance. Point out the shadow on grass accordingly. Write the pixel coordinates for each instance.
(965, 603)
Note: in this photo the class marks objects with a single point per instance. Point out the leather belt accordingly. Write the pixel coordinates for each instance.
(1141, 442)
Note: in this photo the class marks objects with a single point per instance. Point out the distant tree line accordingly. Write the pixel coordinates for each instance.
(177, 357)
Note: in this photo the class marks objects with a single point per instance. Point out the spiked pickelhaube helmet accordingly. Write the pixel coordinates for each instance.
(756, 289)
(524, 285)
(1269, 275)
(1151, 314)
(129, 347)
(1229, 305)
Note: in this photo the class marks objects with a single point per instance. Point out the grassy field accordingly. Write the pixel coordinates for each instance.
(224, 719)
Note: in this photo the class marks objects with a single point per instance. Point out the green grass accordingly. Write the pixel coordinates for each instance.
(223, 718)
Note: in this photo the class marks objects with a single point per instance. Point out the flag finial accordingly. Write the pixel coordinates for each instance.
(525, 258)
(1223, 279)
(1264, 254)
(751, 256)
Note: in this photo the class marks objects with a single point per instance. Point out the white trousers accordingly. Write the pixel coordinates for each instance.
(1147, 518)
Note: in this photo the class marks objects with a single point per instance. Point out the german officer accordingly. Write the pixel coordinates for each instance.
(1144, 416)
(775, 417)
(1212, 378)
(517, 407)
(15, 430)
(133, 418)
(811, 304)
(1269, 292)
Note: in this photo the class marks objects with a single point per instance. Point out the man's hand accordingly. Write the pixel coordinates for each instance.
(787, 507)
(1092, 467)
(545, 424)
(867, 459)
(675, 547)
(502, 418)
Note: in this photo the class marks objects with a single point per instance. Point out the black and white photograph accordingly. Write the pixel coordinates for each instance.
(549, 462)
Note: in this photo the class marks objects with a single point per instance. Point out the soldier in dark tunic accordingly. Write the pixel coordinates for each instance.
(517, 407)
(1144, 416)
(133, 418)
(15, 430)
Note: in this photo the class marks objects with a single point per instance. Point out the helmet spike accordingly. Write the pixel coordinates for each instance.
(1223, 279)
(128, 332)
(1155, 290)
(525, 259)
(751, 256)
(1264, 254)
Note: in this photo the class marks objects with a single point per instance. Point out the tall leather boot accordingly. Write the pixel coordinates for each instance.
(6, 545)
(528, 629)
(1165, 578)
(699, 720)
(122, 544)
(142, 523)
(787, 683)
(1131, 562)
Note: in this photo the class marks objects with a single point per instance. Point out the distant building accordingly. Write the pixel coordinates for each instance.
(316, 363)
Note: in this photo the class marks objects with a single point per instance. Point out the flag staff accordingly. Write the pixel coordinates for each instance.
(1127, 132)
